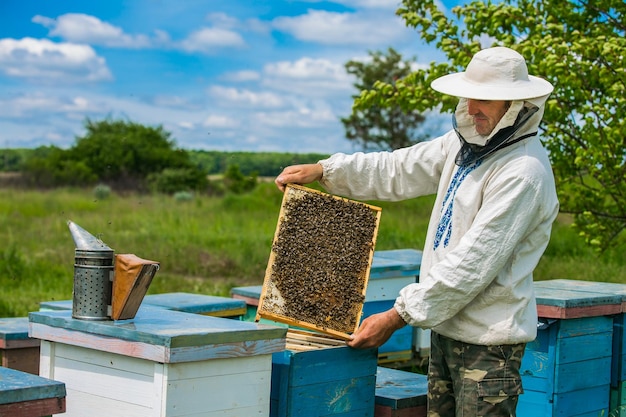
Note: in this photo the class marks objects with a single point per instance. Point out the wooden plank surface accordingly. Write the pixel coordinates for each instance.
(157, 326)
(347, 397)
(335, 380)
(610, 288)
(159, 353)
(557, 312)
(562, 303)
(197, 303)
(391, 263)
(185, 302)
(386, 411)
(25, 359)
(590, 401)
(400, 389)
(14, 333)
(161, 335)
(17, 386)
(105, 383)
(250, 292)
(34, 408)
(387, 289)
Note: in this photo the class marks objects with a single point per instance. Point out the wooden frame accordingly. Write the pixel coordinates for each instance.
(327, 222)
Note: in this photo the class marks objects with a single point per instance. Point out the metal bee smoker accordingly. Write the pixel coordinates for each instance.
(93, 276)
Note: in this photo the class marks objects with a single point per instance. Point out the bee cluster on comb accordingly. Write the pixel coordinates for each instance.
(319, 264)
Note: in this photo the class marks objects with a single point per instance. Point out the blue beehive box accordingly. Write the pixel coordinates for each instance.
(566, 371)
(332, 381)
(618, 361)
(208, 305)
(391, 271)
(17, 349)
(400, 393)
(24, 394)
(250, 295)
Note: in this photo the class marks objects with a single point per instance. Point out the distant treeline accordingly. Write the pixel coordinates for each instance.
(263, 164)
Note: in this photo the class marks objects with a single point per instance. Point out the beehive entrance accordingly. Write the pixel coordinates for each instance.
(319, 264)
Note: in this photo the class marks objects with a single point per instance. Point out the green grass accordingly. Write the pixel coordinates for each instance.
(205, 244)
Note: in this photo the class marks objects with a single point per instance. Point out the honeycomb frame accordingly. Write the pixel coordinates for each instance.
(319, 265)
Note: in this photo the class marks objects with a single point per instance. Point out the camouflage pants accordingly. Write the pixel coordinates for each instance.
(466, 380)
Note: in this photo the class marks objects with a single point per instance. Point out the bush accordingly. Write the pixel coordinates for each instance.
(183, 196)
(102, 192)
(236, 182)
(172, 180)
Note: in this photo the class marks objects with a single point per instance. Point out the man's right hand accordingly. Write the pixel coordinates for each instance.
(299, 174)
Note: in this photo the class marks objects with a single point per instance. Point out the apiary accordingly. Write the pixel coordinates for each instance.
(319, 263)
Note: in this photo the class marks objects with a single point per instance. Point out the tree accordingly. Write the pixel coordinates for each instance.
(580, 47)
(382, 127)
(49, 166)
(118, 152)
(123, 151)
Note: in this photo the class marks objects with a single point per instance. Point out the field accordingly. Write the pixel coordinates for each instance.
(204, 244)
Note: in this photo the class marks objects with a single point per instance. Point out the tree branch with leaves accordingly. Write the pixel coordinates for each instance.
(580, 47)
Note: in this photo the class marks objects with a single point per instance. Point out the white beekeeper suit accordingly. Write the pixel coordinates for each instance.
(492, 218)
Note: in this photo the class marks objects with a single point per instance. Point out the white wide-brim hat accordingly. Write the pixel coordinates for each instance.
(496, 73)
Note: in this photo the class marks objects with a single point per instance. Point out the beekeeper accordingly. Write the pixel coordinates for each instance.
(495, 205)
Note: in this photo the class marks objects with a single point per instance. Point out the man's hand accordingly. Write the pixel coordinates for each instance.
(376, 329)
(299, 174)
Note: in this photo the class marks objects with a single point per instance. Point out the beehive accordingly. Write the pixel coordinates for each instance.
(318, 375)
(317, 273)
(566, 370)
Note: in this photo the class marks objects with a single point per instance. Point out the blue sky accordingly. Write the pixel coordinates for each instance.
(227, 75)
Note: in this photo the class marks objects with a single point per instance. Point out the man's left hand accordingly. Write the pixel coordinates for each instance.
(376, 329)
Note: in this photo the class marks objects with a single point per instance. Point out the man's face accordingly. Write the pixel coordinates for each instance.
(486, 114)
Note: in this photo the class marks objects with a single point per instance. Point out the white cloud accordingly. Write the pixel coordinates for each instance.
(246, 97)
(220, 121)
(186, 125)
(304, 117)
(82, 28)
(308, 68)
(171, 101)
(207, 40)
(365, 4)
(243, 75)
(332, 28)
(371, 4)
(43, 60)
(309, 76)
(37, 105)
(222, 20)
